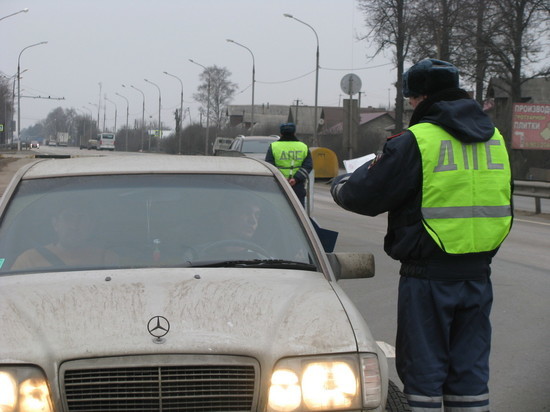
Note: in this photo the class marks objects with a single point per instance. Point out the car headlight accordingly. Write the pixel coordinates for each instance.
(24, 389)
(326, 383)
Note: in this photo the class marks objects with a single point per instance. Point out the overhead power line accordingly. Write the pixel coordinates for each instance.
(43, 97)
(289, 80)
(360, 68)
(325, 68)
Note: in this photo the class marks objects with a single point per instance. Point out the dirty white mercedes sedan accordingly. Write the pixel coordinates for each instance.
(174, 283)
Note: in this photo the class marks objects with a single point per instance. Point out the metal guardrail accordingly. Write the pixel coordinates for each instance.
(12, 147)
(536, 189)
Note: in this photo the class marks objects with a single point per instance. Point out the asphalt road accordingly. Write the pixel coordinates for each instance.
(520, 359)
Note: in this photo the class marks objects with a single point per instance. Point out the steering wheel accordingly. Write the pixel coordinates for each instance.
(247, 245)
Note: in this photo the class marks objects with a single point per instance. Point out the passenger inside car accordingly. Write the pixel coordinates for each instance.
(73, 225)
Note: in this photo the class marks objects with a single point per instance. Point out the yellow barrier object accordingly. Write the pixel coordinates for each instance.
(325, 162)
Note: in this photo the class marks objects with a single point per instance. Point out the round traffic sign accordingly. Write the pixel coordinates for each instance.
(350, 84)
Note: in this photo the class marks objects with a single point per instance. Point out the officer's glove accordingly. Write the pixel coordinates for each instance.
(337, 184)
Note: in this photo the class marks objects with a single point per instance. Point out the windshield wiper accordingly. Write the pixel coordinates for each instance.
(255, 263)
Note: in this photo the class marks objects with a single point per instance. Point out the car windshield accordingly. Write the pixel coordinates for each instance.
(163, 220)
(256, 146)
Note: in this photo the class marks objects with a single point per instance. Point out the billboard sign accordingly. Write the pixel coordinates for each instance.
(531, 126)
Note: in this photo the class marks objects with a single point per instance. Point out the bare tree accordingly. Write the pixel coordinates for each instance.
(436, 29)
(475, 24)
(6, 108)
(486, 25)
(456, 31)
(389, 22)
(482, 37)
(519, 42)
(85, 129)
(56, 121)
(214, 93)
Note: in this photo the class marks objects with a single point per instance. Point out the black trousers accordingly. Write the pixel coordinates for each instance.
(443, 343)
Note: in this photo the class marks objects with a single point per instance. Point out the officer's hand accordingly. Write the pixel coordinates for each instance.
(292, 181)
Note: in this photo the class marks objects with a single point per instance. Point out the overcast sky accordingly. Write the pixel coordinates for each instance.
(115, 42)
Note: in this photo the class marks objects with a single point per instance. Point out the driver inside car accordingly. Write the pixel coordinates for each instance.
(240, 222)
(238, 218)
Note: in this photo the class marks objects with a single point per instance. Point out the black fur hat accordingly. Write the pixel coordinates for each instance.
(429, 76)
(287, 129)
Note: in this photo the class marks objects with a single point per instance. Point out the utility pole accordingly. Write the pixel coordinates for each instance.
(99, 107)
(179, 121)
(104, 114)
(298, 101)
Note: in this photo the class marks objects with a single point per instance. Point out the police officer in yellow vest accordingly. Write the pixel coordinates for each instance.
(292, 158)
(446, 185)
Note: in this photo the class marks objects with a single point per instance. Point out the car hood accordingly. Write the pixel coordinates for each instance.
(257, 312)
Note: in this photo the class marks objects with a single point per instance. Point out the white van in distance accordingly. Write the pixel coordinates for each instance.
(104, 141)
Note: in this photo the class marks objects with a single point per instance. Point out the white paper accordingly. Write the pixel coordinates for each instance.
(353, 164)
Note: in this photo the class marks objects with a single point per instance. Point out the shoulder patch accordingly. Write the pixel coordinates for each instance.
(395, 135)
(376, 159)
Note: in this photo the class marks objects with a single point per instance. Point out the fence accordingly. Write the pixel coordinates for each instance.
(529, 188)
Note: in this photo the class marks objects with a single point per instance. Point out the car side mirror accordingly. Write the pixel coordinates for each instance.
(352, 265)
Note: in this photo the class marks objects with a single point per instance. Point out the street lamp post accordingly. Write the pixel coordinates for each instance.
(160, 131)
(99, 108)
(13, 14)
(127, 114)
(142, 114)
(95, 105)
(315, 143)
(207, 106)
(253, 80)
(19, 92)
(110, 101)
(181, 111)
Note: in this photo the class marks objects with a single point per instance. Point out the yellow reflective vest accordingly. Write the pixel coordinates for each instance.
(289, 156)
(466, 190)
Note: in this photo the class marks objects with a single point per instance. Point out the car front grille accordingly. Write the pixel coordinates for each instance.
(226, 386)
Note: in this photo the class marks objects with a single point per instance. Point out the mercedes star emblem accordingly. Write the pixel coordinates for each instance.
(158, 326)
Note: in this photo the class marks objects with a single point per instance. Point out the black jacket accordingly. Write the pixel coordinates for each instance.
(392, 183)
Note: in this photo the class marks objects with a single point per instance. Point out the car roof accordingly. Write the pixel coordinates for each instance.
(259, 138)
(146, 164)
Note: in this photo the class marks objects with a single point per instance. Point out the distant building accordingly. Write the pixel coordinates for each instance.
(304, 117)
(267, 118)
(371, 132)
(371, 136)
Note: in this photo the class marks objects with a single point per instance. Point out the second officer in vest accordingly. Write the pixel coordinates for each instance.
(446, 185)
(292, 158)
